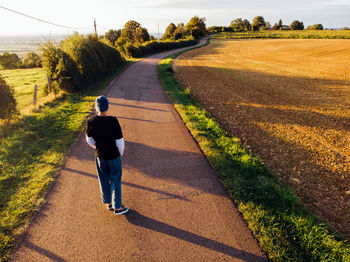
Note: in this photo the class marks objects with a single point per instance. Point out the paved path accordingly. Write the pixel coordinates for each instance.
(179, 209)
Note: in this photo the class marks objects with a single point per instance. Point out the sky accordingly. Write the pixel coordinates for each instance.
(113, 14)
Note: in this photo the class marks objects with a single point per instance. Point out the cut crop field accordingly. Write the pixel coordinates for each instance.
(289, 102)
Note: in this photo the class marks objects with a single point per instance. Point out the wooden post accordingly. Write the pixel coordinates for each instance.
(49, 84)
(35, 93)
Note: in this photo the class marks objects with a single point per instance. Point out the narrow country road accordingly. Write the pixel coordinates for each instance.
(179, 211)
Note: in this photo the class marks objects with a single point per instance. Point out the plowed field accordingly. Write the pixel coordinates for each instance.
(289, 102)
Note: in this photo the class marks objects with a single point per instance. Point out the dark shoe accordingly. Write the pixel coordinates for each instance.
(121, 211)
(109, 207)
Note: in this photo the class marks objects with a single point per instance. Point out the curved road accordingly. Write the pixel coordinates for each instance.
(179, 209)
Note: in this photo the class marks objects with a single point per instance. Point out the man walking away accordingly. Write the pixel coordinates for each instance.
(104, 134)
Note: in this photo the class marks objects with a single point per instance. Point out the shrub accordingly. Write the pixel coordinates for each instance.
(31, 60)
(8, 104)
(10, 61)
(92, 57)
(315, 27)
(77, 60)
(61, 68)
(152, 47)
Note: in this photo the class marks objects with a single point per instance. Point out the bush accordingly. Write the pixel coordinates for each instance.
(93, 57)
(31, 60)
(8, 104)
(78, 60)
(61, 68)
(10, 61)
(315, 27)
(151, 47)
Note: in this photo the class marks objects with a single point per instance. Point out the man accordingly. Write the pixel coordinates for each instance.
(104, 134)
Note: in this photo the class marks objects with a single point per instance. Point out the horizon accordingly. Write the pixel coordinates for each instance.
(112, 15)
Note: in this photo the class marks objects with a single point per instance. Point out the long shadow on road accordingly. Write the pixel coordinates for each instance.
(142, 221)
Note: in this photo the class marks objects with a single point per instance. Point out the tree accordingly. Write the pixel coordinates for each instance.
(169, 31)
(31, 60)
(8, 104)
(275, 26)
(10, 61)
(247, 25)
(267, 26)
(258, 22)
(237, 25)
(278, 26)
(141, 35)
(196, 26)
(180, 31)
(134, 33)
(112, 36)
(297, 25)
(315, 27)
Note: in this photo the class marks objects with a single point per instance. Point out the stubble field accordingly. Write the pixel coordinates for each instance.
(289, 102)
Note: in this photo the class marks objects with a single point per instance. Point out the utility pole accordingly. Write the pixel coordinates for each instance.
(95, 27)
(158, 34)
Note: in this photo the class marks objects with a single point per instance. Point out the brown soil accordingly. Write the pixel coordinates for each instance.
(289, 101)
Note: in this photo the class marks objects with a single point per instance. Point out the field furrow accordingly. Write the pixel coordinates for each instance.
(289, 102)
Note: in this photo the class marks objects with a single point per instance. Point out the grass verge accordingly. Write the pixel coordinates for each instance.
(285, 230)
(32, 150)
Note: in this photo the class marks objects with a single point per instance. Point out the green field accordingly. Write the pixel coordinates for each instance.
(297, 34)
(23, 81)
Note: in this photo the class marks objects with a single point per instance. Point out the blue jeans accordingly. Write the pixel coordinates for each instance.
(109, 176)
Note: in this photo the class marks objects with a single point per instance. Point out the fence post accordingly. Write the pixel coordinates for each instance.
(49, 83)
(35, 93)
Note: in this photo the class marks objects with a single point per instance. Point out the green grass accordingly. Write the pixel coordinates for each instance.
(297, 34)
(23, 81)
(285, 230)
(32, 150)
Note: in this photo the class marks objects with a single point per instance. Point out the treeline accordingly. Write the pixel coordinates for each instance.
(259, 24)
(135, 41)
(286, 34)
(194, 28)
(12, 60)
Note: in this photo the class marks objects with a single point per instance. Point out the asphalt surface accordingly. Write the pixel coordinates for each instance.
(179, 211)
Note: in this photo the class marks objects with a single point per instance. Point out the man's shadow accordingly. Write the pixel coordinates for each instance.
(140, 220)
